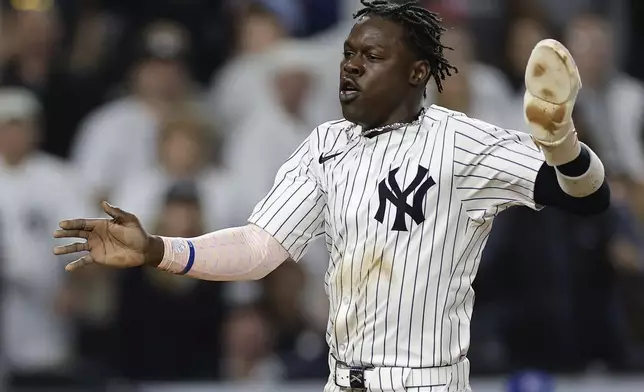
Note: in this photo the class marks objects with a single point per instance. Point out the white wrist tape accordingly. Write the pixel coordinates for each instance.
(563, 151)
(587, 183)
(240, 253)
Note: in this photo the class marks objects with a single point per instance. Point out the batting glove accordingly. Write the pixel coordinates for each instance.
(552, 83)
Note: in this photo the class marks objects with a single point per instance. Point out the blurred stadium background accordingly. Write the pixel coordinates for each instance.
(182, 110)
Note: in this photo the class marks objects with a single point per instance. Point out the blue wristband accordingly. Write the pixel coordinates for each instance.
(191, 258)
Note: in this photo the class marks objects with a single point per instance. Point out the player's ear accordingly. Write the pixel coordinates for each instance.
(419, 73)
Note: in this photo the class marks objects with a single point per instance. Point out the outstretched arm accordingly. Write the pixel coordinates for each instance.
(282, 225)
(241, 253)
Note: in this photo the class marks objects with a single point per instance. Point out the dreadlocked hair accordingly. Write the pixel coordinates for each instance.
(423, 30)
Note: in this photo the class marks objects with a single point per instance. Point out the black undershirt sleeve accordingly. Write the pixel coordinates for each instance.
(547, 191)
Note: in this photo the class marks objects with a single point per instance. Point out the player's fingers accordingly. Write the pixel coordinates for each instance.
(76, 264)
(71, 234)
(79, 224)
(72, 248)
(115, 212)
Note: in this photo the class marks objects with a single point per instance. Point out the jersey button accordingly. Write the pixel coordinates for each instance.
(342, 347)
(345, 300)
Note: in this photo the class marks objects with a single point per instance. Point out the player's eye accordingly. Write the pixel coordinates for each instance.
(373, 57)
(347, 54)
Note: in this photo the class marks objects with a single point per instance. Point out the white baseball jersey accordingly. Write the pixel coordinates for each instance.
(406, 213)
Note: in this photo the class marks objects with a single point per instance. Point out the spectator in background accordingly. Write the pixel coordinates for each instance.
(615, 12)
(35, 62)
(37, 191)
(478, 90)
(270, 132)
(163, 304)
(241, 83)
(259, 28)
(299, 342)
(183, 154)
(120, 136)
(609, 99)
(248, 344)
(210, 24)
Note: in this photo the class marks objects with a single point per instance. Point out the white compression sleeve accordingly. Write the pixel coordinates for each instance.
(241, 253)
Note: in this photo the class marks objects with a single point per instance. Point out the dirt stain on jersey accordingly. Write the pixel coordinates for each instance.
(374, 266)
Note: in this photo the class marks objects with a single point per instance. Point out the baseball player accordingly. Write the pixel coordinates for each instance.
(404, 196)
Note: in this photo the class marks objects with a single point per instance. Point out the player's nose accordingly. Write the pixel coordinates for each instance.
(353, 67)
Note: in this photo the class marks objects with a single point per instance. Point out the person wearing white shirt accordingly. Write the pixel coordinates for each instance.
(116, 138)
(610, 99)
(182, 155)
(273, 128)
(36, 191)
(259, 29)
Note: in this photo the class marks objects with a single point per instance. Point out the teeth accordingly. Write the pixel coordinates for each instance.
(347, 86)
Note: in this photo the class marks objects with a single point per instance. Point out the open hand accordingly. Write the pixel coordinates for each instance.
(118, 242)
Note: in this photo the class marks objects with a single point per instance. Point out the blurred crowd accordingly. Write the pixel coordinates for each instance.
(182, 111)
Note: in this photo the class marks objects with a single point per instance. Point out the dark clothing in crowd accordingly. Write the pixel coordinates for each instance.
(546, 281)
(166, 332)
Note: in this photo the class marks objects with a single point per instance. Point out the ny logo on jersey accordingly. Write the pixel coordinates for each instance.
(398, 198)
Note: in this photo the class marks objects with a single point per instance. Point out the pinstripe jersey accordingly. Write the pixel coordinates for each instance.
(406, 213)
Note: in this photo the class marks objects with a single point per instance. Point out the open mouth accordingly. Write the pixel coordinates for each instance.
(349, 90)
